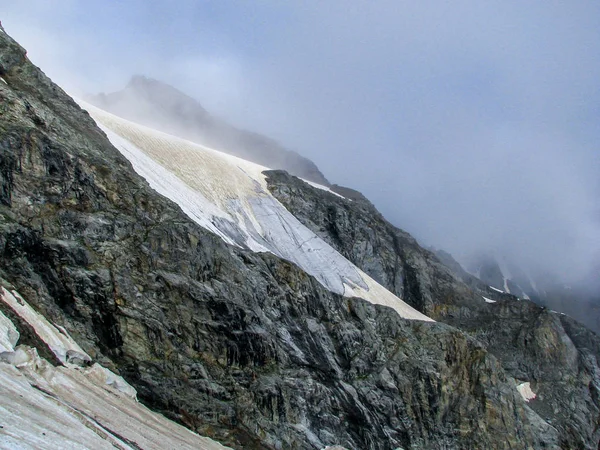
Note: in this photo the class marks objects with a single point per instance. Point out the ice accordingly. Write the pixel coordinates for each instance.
(229, 196)
(50, 407)
(59, 342)
(489, 300)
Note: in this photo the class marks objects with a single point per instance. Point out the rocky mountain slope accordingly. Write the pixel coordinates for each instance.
(552, 352)
(250, 348)
(162, 107)
(580, 301)
(63, 400)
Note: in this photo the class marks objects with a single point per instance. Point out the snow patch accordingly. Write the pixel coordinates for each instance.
(229, 196)
(533, 283)
(323, 188)
(101, 376)
(497, 290)
(9, 336)
(488, 300)
(506, 274)
(525, 391)
(72, 407)
(59, 342)
(3, 80)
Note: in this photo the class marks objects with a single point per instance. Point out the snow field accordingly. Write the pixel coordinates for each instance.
(70, 406)
(228, 196)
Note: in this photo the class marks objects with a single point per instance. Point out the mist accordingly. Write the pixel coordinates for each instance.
(472, 126)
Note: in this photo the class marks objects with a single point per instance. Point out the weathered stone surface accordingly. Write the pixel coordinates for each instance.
(558, 356)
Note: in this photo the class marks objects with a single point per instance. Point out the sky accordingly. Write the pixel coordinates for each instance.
(472, 125)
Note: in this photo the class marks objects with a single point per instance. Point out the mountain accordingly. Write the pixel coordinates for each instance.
(162, 107)
(247, 305)
(579, 301)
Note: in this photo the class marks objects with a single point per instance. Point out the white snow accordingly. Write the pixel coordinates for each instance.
(9, 336)
(72, 407)
(59, 342)
(489, 300)
(525, 391)
(323, 188)
(497, 290)
(3, 80)
(229, 196)
(506, 274)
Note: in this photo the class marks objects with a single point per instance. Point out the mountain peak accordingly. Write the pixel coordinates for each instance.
(161, 106)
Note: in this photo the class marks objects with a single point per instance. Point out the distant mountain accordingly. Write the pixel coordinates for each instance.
(580, 301)
(165, 108)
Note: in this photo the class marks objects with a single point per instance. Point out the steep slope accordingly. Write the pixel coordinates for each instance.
(229, 196)
(554, 354)
(242, 346)
(578, 301)
(162, 107)
(74, 405)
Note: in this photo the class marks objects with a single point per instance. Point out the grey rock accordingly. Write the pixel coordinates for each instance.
(556, 354)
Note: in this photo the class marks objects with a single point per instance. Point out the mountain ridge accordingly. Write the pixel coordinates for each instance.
(161, 106)
(244, 346)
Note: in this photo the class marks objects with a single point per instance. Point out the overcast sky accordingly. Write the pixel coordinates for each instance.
(471, 124)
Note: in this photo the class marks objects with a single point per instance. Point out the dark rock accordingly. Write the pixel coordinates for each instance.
(531, 342)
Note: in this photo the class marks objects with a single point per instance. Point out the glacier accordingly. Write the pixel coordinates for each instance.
(228, 196)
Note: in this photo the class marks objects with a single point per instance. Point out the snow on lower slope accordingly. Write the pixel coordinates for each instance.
(229, 196)
(526, 391)
(69, 406)
(57, 340)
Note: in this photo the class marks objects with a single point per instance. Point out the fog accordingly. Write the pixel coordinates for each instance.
(472, 125)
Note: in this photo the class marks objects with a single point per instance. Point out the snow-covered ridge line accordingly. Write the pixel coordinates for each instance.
(71, 406)
(323, 188)
(229, 196)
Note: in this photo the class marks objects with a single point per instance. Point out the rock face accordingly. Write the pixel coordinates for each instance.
(160, 106)
(558, 356)
(245, 347)
(580, 301)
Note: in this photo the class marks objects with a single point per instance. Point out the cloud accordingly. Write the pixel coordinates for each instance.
(473, 125)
